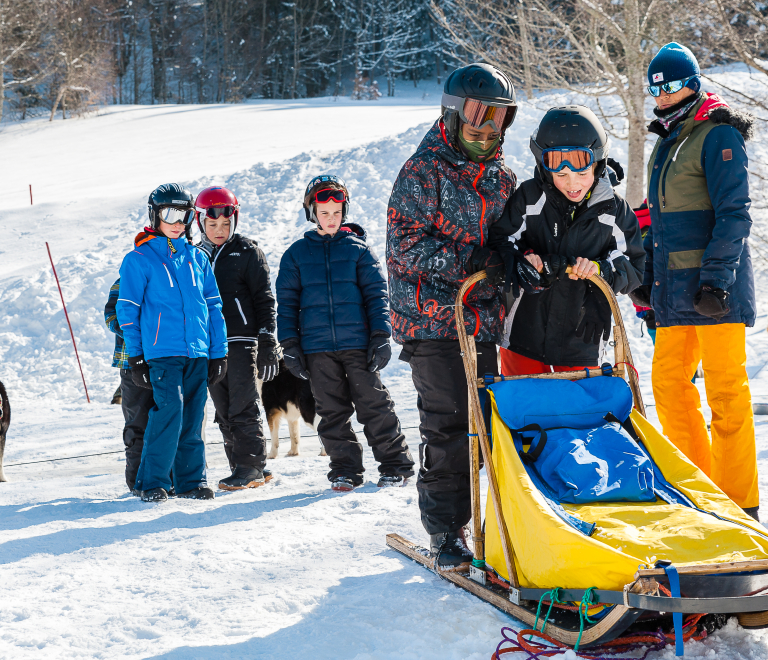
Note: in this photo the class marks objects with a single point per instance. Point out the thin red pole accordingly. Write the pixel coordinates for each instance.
(72, 334)
(30, 194)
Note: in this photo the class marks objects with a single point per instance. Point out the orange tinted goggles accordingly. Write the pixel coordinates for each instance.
(577, 159)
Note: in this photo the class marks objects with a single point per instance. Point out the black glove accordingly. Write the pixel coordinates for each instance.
(711, 301)
(379, 351)
(615, 165)
(217, 369)
(488, 260)
(606, 271)
(595, 321)
(267, 359)
(641, 296)
(519, 273)
(140, 372)
(294, 358)
(554, 266)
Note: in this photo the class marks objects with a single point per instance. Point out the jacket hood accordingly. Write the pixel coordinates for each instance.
(714, 107)
(436, 141)
(345, 229)
(179, 244)
(720, 112)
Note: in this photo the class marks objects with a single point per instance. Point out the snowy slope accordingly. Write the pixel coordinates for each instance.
(285, 570)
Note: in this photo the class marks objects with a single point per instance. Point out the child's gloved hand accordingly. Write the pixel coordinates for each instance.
(379, 351)
(267, 360)
(217, 369)
(140, 372)
(294, 358)
(595, 322)
(711, 301)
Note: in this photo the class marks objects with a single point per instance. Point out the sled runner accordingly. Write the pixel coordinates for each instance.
(595, 522)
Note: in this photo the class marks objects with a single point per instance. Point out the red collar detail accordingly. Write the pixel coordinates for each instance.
(145, 236)
(713, 101)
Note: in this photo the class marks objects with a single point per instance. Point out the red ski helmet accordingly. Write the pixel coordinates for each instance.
(215, 202)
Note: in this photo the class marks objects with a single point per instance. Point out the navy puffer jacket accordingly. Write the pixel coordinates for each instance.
(331, 292)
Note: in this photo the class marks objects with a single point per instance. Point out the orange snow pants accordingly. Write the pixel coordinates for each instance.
(729, 459)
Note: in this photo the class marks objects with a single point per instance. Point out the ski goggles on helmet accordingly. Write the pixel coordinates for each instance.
(671, 87)
(215, 212)
(173, 216)
(330, 195)
(577, 159)
(479, 114)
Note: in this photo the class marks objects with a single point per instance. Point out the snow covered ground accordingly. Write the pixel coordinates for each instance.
(287, 570)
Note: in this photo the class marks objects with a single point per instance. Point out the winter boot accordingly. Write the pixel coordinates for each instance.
(199, 493)
(342, 484)
(267, 475)
(450, 551)
(390, 480)
(244, 476)
(752, 512)
(154, 495)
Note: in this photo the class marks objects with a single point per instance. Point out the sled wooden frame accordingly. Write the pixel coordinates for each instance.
(638, 597)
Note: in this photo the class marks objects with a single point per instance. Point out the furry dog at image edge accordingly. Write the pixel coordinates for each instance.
(5, 421)
(292, 398)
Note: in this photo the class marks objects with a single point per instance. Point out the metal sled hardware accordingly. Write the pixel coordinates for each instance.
(686, 550)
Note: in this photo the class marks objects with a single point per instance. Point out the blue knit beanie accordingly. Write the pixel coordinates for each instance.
(674, 62)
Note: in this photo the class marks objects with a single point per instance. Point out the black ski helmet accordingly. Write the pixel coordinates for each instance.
(570, 126)
(482, 82)
(319, 183)
(170, 195)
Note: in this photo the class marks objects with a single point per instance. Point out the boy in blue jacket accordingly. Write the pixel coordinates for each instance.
(169, 310)
(333, 325)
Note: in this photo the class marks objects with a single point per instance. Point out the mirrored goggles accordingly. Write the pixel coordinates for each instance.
(172, 216)
(216, 212)
(479, 114)
(671, 87)
(577, 159)
(330, 195)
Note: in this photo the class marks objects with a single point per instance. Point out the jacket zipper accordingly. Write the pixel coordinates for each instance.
(167, 272)
(157, 334)
(664, 175)
(330, 290)
(240, 309)
(482, 199)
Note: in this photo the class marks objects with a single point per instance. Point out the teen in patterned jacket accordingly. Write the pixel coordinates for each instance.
(445, 199)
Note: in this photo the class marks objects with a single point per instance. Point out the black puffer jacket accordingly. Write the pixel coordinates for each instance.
(242, 274)
(539, 218)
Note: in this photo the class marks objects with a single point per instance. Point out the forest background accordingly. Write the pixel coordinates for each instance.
(65, 57)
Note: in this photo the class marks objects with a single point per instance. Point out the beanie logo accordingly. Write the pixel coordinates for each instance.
(658, 77)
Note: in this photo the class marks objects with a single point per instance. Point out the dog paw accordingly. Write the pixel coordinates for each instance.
(292, 453)
(323, 452)
(272, 454)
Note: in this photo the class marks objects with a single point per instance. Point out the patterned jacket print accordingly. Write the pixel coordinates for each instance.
(441, 208)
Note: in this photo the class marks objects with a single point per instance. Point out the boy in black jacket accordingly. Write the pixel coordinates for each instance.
(333, 307)
(242, 275)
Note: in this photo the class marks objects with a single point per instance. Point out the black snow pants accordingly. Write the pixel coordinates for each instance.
(137, 402)
(236, 399)
(441, 386)
(342, 385)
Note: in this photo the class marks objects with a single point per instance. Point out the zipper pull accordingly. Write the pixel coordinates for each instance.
(663, 202)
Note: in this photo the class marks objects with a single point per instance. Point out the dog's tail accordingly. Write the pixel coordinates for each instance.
(5, 421)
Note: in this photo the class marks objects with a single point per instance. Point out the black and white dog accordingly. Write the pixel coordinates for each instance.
(5, 421)
(292, 398)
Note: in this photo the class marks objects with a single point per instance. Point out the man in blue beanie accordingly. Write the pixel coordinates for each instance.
(698, 272)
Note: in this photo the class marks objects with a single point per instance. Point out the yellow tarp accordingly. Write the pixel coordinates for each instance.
(550, 553)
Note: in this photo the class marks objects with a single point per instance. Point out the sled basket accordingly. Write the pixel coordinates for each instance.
(681, 547)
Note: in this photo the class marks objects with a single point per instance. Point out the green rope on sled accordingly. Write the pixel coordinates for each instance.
(586, 601)
(553, 598)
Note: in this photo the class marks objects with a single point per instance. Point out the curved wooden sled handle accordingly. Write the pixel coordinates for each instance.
(622, 354)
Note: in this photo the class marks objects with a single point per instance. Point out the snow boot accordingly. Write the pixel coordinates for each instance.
(244, 476)
(752, 512)
(391, 480)
(342, 484)
(199, 493)
(450, 551)
(154, 495)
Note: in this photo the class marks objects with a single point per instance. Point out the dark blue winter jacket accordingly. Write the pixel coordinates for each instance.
(698, 198)
(169, 303)
(331, 292)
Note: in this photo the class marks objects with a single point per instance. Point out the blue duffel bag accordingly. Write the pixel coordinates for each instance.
(578, 448)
